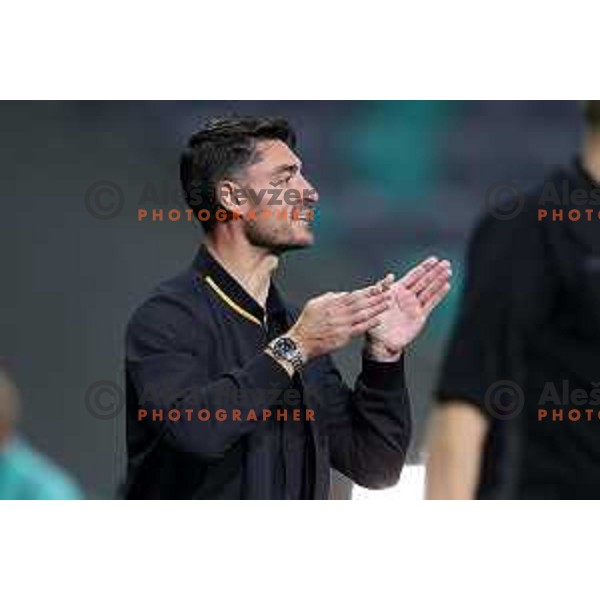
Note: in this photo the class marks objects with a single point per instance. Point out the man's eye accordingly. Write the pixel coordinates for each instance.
(281, 181)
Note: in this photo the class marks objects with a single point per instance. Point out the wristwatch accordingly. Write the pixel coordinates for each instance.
(285, 347)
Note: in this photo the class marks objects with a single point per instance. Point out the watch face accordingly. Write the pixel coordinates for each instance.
(284, 346)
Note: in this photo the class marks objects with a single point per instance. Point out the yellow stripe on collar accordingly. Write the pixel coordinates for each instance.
(231, 303)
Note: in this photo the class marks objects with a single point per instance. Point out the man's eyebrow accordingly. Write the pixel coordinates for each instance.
(286, 168)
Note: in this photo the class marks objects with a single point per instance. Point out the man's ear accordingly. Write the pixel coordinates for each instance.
(229, 196)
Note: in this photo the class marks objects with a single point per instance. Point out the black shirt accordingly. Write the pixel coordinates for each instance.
(529, 325)
(293, 447)
(197, 346)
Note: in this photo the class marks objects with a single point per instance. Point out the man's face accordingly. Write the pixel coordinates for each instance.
(283, 200)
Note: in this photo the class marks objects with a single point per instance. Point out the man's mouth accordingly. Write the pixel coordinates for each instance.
(307, 216)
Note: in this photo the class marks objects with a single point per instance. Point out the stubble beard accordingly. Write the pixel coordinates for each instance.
(272, 240)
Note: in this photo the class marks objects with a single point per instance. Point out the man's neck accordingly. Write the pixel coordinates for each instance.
(591, 155)
(250, 266)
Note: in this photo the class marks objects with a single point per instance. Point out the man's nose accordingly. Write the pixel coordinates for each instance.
(309, 194)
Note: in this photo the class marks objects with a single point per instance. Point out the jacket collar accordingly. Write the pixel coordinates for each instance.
(232, 294)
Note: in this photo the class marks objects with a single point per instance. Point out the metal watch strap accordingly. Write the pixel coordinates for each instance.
(294, 358)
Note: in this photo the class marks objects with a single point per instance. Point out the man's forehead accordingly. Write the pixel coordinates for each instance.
(275, 153)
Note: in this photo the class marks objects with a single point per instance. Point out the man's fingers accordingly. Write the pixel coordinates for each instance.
(436, 298)
(433, 286)
(328, 296)
(375, 289)
(432, 289)
(387, 281)
(366, 300)
(368, 313)
(441, 269)
(363, 327)
(419, 271)
(362, 294)
(384, 299)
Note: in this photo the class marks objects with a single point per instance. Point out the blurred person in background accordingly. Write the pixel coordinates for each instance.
(25, 474)
(527, 341)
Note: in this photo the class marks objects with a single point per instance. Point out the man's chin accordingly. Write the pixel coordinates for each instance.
(293, 244)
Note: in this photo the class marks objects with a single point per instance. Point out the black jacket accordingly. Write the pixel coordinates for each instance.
(197, 345)
(529, 324)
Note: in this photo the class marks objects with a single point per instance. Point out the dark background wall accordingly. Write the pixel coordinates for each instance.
(398, 181)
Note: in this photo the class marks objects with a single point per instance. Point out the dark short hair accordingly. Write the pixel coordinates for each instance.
(220, 150)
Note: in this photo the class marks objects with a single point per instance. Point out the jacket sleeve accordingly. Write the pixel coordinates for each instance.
(369, 427)
(169, 368)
